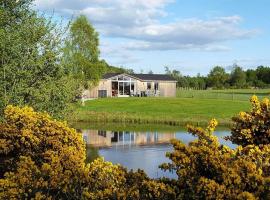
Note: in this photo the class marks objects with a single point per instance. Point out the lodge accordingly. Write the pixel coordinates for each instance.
(128, 85)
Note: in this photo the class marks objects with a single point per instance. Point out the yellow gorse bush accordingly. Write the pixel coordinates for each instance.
(41, 153)
(42, 158)
(252, 127)
(208, 170)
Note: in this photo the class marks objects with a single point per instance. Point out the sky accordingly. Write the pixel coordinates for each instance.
(191, 36)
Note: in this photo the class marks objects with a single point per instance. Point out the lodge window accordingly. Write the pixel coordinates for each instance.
(148, 86)
(120, 78)
(102, 133)
(156, 86)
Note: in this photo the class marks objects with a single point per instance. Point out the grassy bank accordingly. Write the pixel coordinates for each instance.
(190, 106)
(133, 127)
(173, 111)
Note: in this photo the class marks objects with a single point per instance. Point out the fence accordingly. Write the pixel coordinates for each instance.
(229, 94)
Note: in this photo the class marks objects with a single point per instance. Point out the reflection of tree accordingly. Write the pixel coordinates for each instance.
(91, 153)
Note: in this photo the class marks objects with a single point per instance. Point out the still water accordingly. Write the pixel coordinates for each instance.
(139, 149)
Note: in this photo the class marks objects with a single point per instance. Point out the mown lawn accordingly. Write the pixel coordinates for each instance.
(173, 111)
(190, 106)
(229, 94)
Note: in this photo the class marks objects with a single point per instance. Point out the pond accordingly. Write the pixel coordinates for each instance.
(138, 149)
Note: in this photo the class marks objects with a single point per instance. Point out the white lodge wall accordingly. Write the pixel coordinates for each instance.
(167, 89)
(103, 85)
(104, 88)
(141, 86)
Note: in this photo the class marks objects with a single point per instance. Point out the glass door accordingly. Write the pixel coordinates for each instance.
(127, 88)
(121, 88)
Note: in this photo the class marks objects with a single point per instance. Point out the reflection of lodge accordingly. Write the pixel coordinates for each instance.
(111, 138)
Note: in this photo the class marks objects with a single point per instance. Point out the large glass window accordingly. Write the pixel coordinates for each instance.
(156, 86)
(126, 88)
(102, 133)
(149, 86)
(121, 87)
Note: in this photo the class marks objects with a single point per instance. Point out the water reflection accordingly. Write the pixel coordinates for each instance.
(101, 138)
(140, 149)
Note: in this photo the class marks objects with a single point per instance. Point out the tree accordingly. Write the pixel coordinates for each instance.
(263, 74)
(251, 77)
(217, 77)
(167, 70)
(29, 60)
(238, 77)
(81, 53)
(150, 72)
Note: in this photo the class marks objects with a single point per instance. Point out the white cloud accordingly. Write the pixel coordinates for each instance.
(118, 55)
(139, 22)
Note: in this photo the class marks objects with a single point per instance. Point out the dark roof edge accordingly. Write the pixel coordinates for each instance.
(137, 76)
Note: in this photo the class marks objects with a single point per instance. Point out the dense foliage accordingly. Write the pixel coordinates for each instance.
(36, 68)
(81, 52)
(218, 78)
(208, 170)
(252, 128)
(29, 60)
(44, 159)
(81, 55)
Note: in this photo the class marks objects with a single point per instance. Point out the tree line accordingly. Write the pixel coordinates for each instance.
(218, 78)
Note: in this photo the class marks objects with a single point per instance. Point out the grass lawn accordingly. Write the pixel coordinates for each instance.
(173, 111)
(229, 94)
(196, 109)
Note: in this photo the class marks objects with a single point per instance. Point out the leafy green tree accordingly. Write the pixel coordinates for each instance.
(150, 72)
(81, 53)
(238, 77)
(167, 70)
(29, 60)
(217, 77)
(263, 74)
(251, 77)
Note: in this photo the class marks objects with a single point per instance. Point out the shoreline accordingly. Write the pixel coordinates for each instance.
(124, 118)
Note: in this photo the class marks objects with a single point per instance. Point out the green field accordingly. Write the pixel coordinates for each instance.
(190, 106)
(229, 94)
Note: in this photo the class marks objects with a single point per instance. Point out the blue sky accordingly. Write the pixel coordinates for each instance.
(191, 36)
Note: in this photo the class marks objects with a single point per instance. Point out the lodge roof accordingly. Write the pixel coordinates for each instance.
(144, 77)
